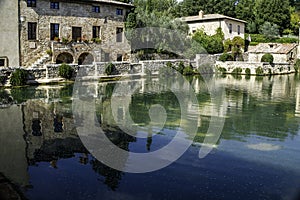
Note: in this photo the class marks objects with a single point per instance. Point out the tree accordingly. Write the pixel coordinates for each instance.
(273, 11)
(269, 30)
(244, 10)
(212, 44)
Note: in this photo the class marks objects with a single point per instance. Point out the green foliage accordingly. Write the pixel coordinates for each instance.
(274, 12)
(267, 58)
(96, 40)
(259, 38)
(222, 70)
(226, 57)
(259, 71)
(188, 70)
(192, 7)
(180, 67)
(65, 71)
(269, 30)
(19, 77)
(248, 71)
(2, 80)
(65, 40)
(49, 52)
(237, 71)
(212, 44)
(110, 69)
(297, 65)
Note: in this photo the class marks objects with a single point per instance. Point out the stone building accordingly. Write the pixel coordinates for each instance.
(231, 27)
(77, 31)
(282, 53)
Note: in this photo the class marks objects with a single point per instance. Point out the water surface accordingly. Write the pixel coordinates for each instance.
(256, 156)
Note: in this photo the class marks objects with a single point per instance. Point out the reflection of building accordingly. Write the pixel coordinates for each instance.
(95, 28)
(231, 27)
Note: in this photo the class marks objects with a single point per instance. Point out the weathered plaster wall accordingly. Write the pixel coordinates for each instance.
(210, 27)
(9, 32)
(235, 24)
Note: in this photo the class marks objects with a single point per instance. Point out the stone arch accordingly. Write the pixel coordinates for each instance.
(85, 58)
(64, 57)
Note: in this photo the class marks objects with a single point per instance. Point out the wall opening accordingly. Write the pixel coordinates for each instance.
(85, 59)
(64, 58)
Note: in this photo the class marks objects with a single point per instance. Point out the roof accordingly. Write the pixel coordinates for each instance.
(273, 48)
(209, 17)
(102, 1)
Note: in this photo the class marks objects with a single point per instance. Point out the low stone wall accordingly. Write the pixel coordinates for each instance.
(50, 71)
(254, 68)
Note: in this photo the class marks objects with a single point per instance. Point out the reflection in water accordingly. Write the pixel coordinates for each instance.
(258, 149)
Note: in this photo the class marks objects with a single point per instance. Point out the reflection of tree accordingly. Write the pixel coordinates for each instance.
(260, 117)
(141, 104)
(112, 176)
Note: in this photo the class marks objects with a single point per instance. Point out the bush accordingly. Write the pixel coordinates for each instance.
(49, 52)
(226, 57)
(2, 80)
(237, 71)
(267, 58)
(259, 71)
(297, 65)
(110, 69)
(65, 71)
(248, 71)
(19, 77)
(180, 67)
(222, 70)
(188, 71)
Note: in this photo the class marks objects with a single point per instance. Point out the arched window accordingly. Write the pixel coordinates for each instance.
(230, 28)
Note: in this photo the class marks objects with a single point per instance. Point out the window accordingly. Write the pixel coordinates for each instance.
(119, 11)
(2, 62)
(106, 57)
(230, 28)
(76, 33)
(32, 30)
(119, 34)
(119, 57)
(54, 31)
(96, 9)
(54, 5)
(96, 31)
(31, 3)
(239, 29)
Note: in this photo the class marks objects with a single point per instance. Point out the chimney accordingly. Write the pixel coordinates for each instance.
(201, 14)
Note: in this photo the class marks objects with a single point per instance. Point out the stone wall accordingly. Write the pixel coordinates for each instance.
(267, 68)
(72, 14)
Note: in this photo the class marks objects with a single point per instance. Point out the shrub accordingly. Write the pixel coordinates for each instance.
(222, 70)
(180, 67)
(19, 77)
(49, 52)
(297, 65)
(248, 71)
(110, 69)
(65, 71)
(267, 58)
(96, 40)
(226, 57)
(237, 71)
(2, 80)
(188, 71)
(259, 71)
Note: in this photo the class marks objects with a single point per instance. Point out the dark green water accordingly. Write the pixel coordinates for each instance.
(256, 157)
